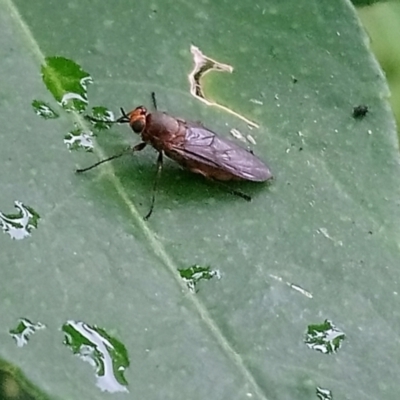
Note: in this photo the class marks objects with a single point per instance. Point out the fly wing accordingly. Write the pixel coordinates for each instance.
(206, 147)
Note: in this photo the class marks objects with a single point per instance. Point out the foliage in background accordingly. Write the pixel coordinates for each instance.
(382, 22)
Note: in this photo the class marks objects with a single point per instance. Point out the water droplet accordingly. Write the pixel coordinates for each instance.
(42, 109)
(24, 330)
(100, 116)
(325, 337)
(105, 354)
(293, 286)
(70, 101)
(197, 273)
(67, 82)
(237, 135)
(19, 226)
(324, 394)
(251, 139)
(79, 139)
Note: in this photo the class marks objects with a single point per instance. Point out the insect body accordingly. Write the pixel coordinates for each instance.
(193, 146)
(196, 148)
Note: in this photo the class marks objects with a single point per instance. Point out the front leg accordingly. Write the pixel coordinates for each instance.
(128, 150)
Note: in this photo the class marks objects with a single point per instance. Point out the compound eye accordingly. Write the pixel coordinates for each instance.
(138, 125)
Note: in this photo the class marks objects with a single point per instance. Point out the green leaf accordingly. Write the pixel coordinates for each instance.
(44, 110)
(67, 81)
(319, 243)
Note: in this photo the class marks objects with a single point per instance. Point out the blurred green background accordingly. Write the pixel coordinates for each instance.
(382, 23)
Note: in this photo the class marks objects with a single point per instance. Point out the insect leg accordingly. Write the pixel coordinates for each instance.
(158, 174)
(233, 191)
(128, 150)
(153, 98)
(124, 119)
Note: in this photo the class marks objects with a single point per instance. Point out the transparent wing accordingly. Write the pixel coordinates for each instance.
(206, 147)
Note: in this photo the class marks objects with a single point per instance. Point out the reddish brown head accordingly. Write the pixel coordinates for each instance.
(137, 119)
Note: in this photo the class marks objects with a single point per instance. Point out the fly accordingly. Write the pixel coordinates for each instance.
(191, 145)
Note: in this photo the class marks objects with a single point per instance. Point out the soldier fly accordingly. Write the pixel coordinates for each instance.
(191, 145)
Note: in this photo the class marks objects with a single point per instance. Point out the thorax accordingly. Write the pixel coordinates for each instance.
(163, 131)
